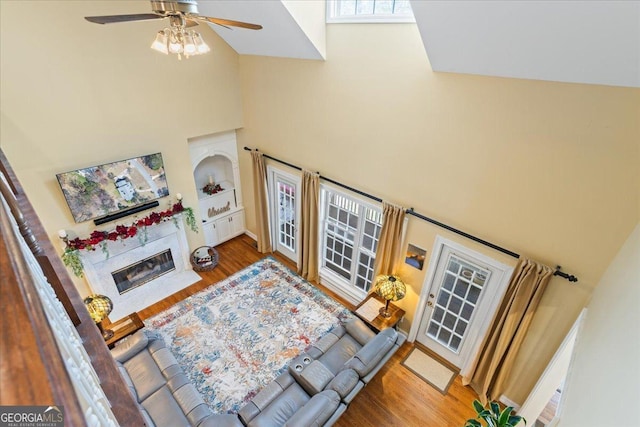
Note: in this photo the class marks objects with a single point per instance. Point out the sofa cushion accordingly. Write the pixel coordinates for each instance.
(267, 395)
(339, 353)
(221, 420)
(317, 411)
(164, 409)
(368, 356)
(281, 409)
(188, 398)
(145, 374)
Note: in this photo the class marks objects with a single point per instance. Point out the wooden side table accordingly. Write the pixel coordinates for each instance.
(378, 323)
(123, 328)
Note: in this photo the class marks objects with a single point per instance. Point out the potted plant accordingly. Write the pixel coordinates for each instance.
(493, 417)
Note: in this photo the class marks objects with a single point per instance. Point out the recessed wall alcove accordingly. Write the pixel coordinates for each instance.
(214, 161)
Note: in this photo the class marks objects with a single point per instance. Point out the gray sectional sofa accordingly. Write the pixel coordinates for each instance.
(315, 391)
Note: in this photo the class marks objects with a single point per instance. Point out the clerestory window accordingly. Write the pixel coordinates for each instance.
(362, 11)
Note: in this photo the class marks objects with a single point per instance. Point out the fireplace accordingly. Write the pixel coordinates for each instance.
(157, 268)
(143, 271)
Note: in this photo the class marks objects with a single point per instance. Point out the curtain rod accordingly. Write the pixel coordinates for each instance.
(410, 211)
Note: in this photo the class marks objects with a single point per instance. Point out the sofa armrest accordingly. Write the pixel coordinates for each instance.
(373, 352)
(344, 382)
(130, 346)
(317, 410)
(359, 331)
(313, 377)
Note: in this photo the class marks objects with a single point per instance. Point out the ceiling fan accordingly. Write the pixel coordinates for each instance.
(176, 38)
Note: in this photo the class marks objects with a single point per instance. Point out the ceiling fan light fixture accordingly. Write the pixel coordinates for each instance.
(189, 46)
(160, 43)
(175, 43)
(201, 46)
(182, 15)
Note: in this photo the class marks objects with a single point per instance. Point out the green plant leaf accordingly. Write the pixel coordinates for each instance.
(504, 416)
(477, 405)
(71, 258)
(486, 414)
(472, 423)
(191, 219)
(495, 408)
(515, 419)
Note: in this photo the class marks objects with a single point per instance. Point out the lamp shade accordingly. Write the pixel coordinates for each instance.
(99, 307)
(391, 288)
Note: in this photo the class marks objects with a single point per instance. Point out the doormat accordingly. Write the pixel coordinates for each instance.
(430, 370)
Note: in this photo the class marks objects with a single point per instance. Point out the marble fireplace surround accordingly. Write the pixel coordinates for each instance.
(98, 268)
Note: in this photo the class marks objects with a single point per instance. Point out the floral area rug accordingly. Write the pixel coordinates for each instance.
(237, 335)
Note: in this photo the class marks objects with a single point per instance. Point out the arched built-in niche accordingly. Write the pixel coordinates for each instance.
(214, 161)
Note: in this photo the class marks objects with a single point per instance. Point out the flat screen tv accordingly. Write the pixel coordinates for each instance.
(98, 191)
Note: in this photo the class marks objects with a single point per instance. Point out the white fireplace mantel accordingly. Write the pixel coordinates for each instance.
(99, 265)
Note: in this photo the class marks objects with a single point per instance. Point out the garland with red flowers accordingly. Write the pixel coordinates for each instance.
(71, 255)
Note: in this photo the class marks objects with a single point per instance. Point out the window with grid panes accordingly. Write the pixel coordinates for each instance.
(351, 231)
(350, 11)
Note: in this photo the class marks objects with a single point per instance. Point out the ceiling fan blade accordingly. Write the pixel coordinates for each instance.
(229, 23)
(191, 23)
(110, 19)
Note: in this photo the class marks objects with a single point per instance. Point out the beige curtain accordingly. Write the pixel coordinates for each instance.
(390, 240)
(260, 200)
(309, 195)
(500, 347)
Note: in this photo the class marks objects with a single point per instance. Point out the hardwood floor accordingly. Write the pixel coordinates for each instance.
(395, 397)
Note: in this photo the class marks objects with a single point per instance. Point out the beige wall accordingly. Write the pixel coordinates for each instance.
(76, 94)
(602, 384)
(546, 169)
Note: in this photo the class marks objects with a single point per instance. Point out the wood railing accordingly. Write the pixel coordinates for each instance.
(32, 368)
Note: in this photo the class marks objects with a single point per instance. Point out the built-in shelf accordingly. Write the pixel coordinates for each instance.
(214, 158)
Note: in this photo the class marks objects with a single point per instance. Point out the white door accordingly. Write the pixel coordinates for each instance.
(284, 200)
(463, 292)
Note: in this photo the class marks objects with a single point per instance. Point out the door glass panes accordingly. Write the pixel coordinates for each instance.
(286, 215)
(454, 305)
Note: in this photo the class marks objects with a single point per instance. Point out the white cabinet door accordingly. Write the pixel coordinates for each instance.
(211, 234)
(237, 223)
(224, 228)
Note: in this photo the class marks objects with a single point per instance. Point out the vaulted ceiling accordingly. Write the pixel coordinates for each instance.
(593, 42)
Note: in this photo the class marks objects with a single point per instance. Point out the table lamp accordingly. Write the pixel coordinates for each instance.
(99, 307)
(391, 288)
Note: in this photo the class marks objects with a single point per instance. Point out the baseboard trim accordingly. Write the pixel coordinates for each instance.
(504, 399)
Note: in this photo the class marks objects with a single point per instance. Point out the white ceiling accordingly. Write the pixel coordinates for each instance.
(596, 42)
(281, 35)
(593, 42)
